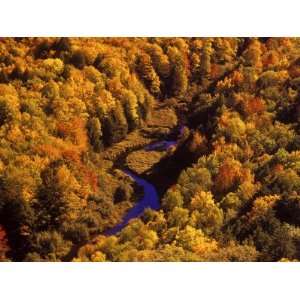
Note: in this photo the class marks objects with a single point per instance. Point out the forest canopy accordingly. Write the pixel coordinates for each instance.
(76, 112)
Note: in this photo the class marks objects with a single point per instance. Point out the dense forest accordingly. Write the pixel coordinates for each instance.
(211, 123)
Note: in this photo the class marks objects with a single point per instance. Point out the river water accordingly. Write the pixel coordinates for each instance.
(149, 200)
(150, 197)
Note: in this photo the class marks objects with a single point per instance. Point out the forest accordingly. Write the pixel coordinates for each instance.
(206, 127)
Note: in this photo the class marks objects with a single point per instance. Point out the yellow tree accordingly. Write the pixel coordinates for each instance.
(148, 74)
(179, 75)
(206, 214)
(205, 65)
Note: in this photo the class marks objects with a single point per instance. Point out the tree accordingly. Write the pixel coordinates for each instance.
(234, 252)
(148, 74)
(54, 66)
(271, 238)
(59, 197)
(205, 65)
(4, 112)
(51, 90)
(228, 175)
(74, 131)
(115, 126)
(95, 133)
(50, 246)
(78, 60)
(192, 179)
(131, 108)
(19, 220)
(232, 127)
(206, 214)
(198, 143)
(160, 61)
(262, 205)
(253, 54)
(194, 240)
(155, 220)
(63, 44)
(287, 181)
(78, 233)
(225, 49)
(42, 49)
(195, 66)
(9, 109)
(287, 210)
(98, 256)
(270, 59)
(123, 193)
(138, 236)
(172, 199)
(254, 106)
(272, 78)
(178, 217)
(179, 72)
(230, 201)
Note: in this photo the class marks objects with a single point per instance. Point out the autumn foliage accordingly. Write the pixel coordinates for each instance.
(76, 112)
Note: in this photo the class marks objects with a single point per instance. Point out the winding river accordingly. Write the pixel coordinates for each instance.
(150, 197)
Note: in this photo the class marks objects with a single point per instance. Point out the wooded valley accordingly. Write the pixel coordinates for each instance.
(209, 127)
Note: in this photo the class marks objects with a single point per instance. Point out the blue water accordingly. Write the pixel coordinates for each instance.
(149, 200)
(162, 145)
(165, 145)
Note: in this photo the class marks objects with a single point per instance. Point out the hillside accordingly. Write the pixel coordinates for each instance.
(211, 123)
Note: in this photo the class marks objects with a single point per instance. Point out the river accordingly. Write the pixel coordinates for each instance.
(150, 197)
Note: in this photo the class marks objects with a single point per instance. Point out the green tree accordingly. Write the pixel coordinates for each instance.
(172, 199)
(50, 246)
(178, 217)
